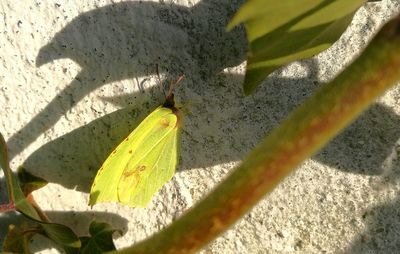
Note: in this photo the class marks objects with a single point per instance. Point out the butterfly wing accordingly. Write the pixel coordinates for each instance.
(137, 187)
(128, 167)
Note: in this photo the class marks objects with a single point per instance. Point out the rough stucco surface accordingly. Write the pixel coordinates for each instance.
(77, 76)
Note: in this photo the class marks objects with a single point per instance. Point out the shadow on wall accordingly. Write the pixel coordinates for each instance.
(382, 233)
(364, 145)
(127, 40)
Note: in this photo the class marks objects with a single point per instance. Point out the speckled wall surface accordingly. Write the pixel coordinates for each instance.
(78, 76)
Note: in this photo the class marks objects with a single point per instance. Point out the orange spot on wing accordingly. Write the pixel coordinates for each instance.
(128, 173)
(135, 171)
(164, 122)
(141, 167)
(130, 151)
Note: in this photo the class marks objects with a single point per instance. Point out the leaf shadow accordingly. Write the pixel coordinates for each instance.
(382, 232)
(363, 147)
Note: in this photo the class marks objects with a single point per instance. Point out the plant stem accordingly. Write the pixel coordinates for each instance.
(305, 131)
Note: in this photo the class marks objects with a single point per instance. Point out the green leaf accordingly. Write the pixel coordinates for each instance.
(61, 234)
(100, 239)
(28, 181)
(280, 32)
(14, 191)
(58, 233)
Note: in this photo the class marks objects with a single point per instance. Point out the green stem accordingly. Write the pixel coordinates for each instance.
(305, 131)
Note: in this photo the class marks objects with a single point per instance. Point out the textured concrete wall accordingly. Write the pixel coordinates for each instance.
(77, 76)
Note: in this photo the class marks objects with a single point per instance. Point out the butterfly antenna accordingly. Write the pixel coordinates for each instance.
(160, 83)
(172, 86)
